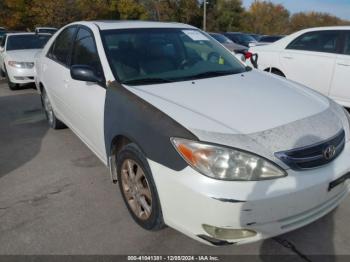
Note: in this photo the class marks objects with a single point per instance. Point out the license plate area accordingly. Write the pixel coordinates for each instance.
(338, 181)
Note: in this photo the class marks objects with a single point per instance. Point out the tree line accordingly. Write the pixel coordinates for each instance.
(263, 17)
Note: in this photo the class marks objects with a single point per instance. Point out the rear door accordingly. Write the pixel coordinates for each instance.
(340, 90)
(310, 59)
(55, 70)
(87, 99)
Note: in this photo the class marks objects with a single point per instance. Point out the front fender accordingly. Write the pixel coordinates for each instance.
(129, 115)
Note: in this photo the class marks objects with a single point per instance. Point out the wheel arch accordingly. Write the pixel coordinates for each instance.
(118, 142)
(275, 70)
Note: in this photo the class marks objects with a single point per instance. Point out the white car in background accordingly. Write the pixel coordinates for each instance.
(17, 54)
(196, 140)
(318, 58)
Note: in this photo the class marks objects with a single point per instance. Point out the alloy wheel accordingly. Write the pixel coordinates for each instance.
(136, 189)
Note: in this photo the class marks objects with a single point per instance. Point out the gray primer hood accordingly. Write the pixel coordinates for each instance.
(296, 134)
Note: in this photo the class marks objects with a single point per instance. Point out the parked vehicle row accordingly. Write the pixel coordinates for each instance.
(238, 50)
(196, 140)
(268, 39)
(241, 38)
(238, 43)
(318, 58)
(46, 30)
(249, 40)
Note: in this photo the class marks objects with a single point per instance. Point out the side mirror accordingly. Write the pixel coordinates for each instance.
(1, 49)
(85, 73)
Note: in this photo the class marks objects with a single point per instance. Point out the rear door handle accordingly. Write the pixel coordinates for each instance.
(288, 57)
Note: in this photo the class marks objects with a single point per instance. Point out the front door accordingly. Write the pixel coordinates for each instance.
(87, 99)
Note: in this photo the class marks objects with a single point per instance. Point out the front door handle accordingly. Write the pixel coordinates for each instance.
(288, 57)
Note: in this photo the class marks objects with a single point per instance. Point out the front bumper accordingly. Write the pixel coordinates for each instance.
(20, 76)
(270, 208)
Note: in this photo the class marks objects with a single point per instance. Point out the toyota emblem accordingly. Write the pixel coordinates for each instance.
(329, 152)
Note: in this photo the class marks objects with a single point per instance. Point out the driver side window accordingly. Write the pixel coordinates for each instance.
(85, 51)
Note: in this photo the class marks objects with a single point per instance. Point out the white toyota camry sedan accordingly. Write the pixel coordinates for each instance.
(196, 140)
(17, 52)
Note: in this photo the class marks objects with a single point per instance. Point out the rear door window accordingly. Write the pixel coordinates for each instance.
(61, 49)
(317, 41)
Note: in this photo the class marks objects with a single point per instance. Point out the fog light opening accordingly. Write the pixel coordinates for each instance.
(228, 233)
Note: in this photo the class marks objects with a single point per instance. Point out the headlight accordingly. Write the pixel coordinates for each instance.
(15, 64)
(226, 163)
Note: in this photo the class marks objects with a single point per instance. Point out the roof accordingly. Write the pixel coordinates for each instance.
(119, 24)
(342, 27)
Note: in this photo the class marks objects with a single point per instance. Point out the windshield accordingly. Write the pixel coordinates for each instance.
(221, 38)
(160, 55)
(19, 42)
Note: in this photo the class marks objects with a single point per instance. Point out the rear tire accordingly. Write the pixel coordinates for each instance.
(138, 188)
(53, 121)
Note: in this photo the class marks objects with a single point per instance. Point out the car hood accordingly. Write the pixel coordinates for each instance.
(22, 55)
(254, 111)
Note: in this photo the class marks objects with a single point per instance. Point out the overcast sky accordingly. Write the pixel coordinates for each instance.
(339, 8)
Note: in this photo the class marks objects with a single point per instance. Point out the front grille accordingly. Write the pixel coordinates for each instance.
(314, 155)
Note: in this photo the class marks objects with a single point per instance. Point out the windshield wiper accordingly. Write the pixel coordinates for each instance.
(211, 74)
(146, 81)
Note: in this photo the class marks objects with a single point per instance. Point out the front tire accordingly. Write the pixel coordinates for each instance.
(138, 188)
(53, 121)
